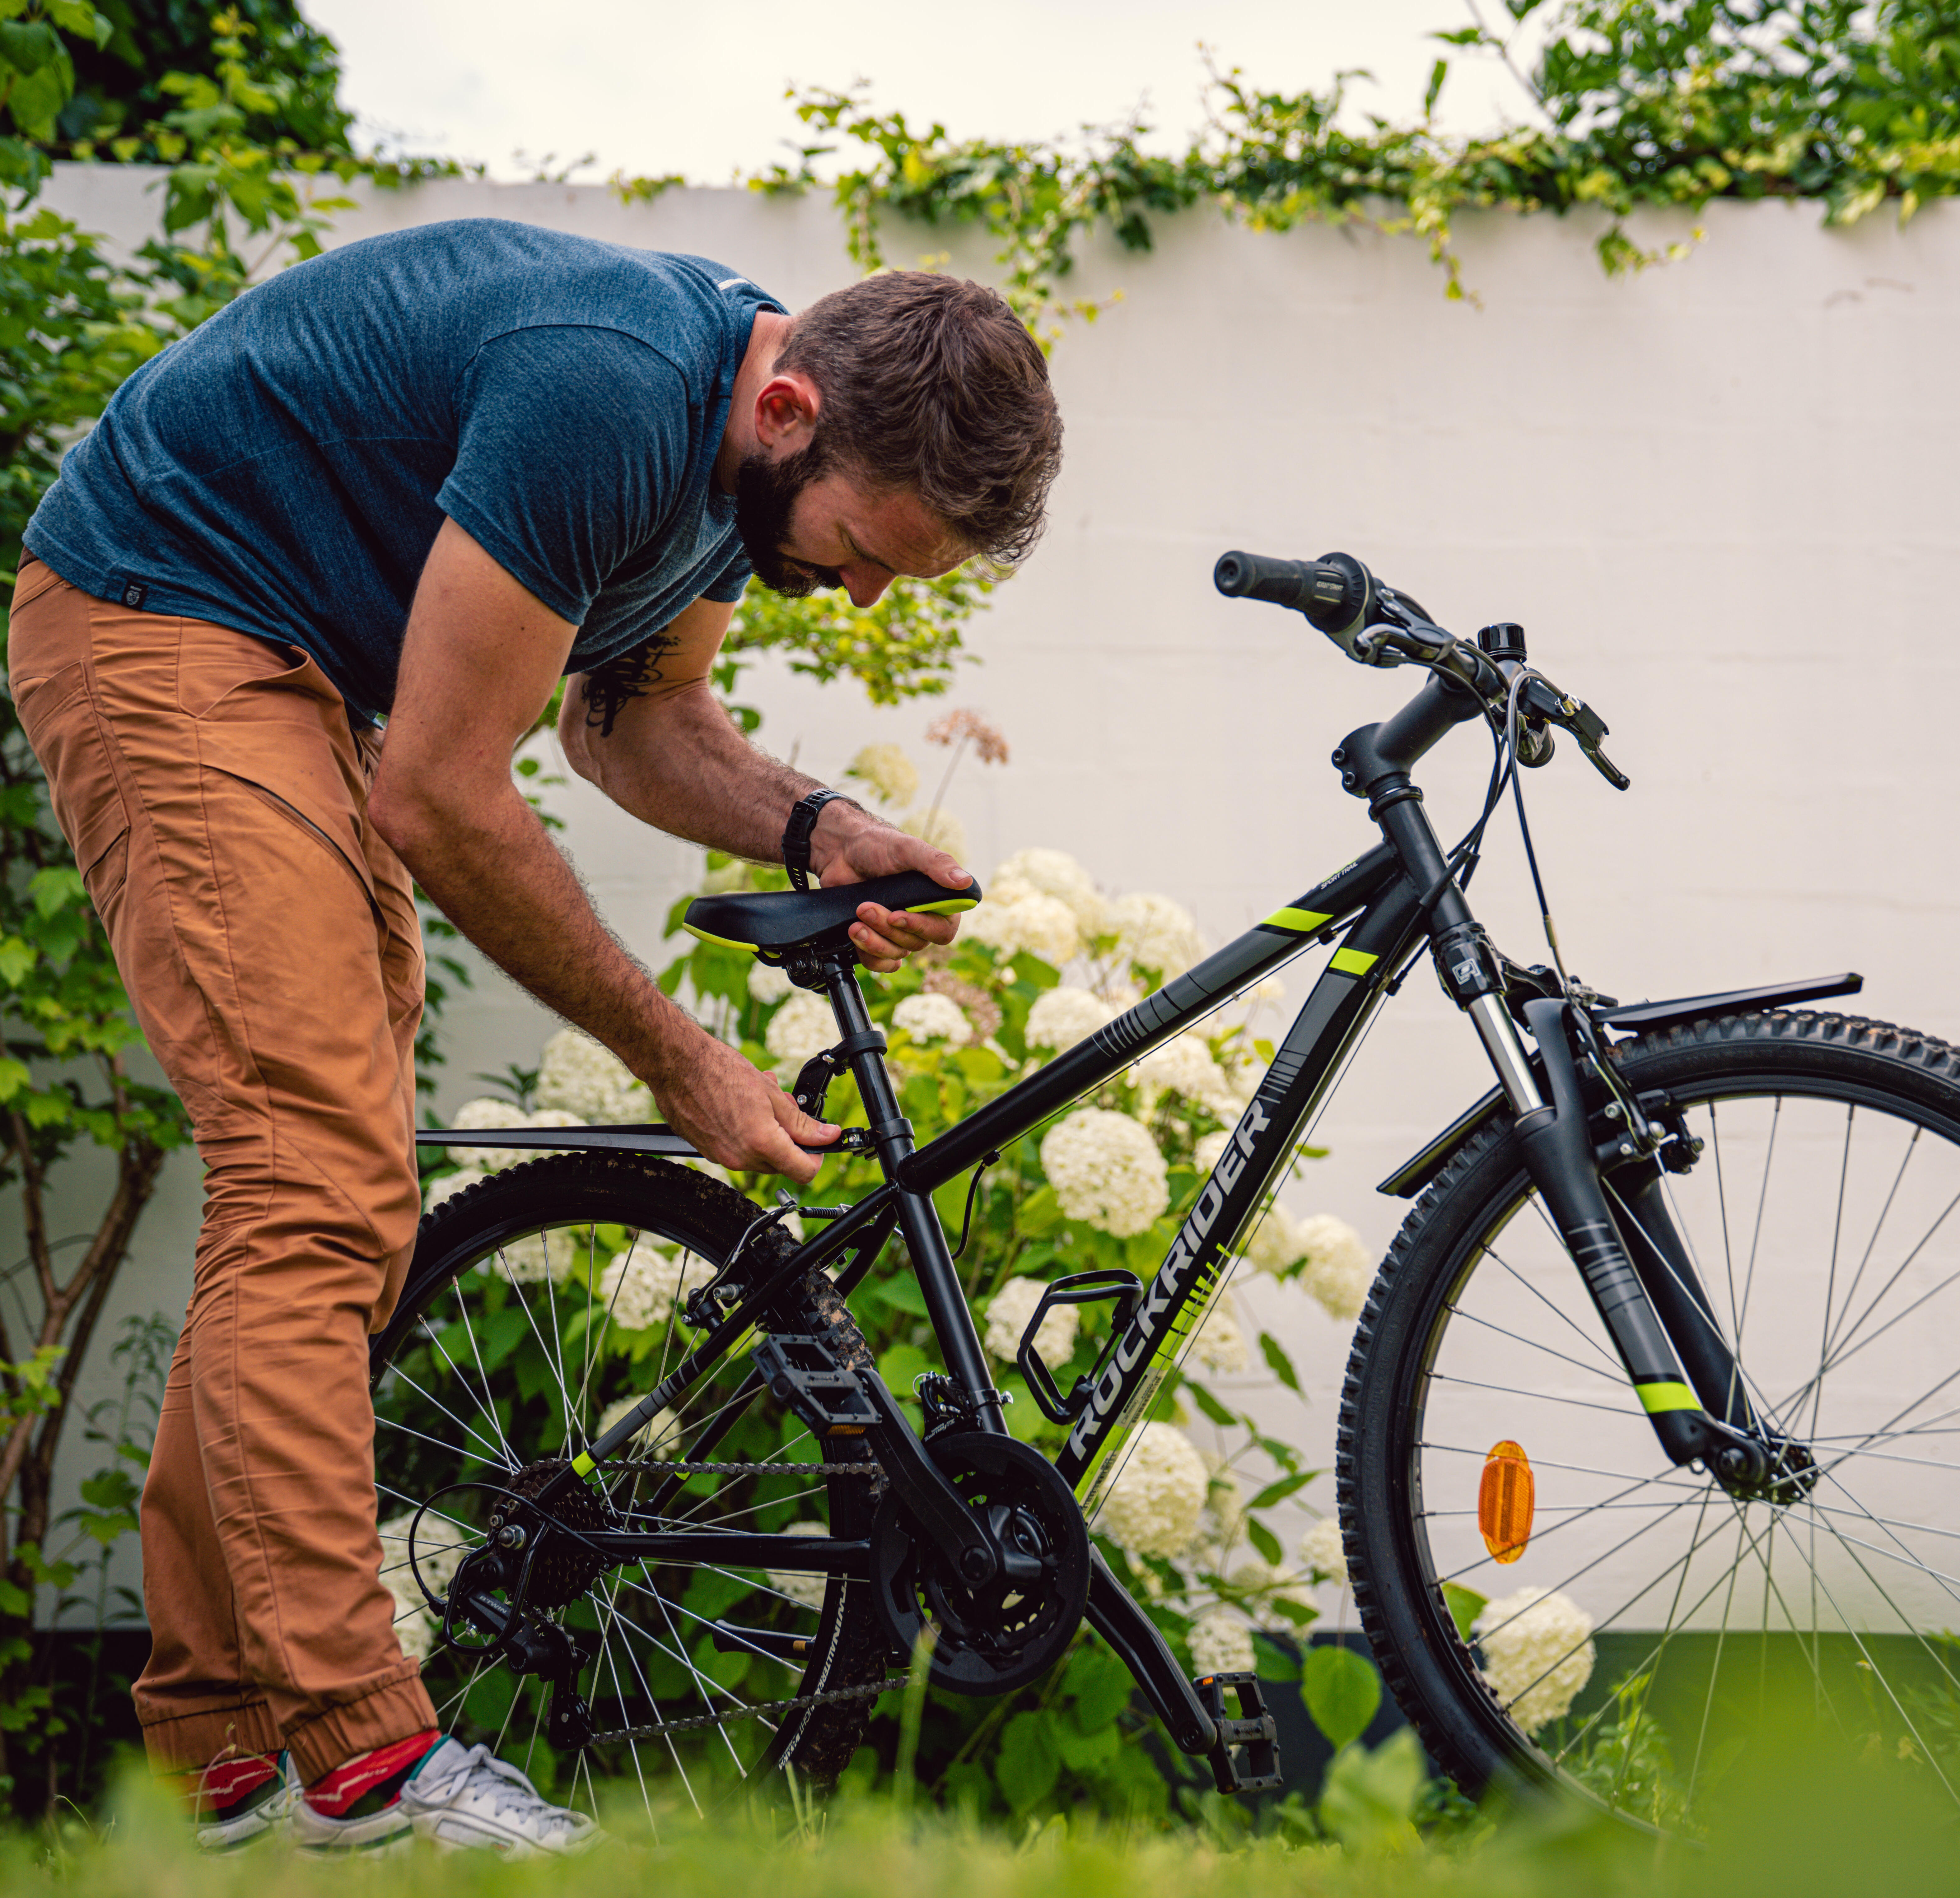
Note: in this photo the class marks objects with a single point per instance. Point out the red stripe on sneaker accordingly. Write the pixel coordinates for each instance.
(227, 1781)
(339, 1789)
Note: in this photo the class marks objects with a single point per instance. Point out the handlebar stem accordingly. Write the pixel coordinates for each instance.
(1367, 757)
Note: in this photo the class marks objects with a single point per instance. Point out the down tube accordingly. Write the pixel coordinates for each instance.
(1303, 1069)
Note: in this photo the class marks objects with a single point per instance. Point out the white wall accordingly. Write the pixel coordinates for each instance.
(1719, 496)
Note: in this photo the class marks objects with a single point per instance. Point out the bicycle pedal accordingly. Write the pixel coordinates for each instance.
(802, 1374)
(1253, 1732)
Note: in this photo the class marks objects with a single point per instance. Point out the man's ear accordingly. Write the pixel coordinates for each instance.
(787, 407)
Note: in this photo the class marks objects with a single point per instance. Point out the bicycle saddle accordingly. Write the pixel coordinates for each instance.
(772, 922)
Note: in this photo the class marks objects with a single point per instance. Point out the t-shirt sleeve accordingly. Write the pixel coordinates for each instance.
(573, 445)
(730, 584)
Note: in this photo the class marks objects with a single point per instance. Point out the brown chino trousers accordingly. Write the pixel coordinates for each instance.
(216, 798)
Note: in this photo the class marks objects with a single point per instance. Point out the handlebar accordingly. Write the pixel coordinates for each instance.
(1376, 625)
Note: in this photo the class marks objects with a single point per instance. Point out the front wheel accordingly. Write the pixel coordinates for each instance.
(1625, 1651)
(541, 1305)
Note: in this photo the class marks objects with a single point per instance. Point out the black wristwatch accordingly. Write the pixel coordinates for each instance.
(796, 834)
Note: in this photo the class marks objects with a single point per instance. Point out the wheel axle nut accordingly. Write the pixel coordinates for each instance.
(974, 1566)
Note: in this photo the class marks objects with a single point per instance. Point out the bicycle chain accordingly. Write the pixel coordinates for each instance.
(680, 1466)
(762, 1710)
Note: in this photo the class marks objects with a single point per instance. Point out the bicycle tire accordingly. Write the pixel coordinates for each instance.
(1458, 1347)
(504, 1351)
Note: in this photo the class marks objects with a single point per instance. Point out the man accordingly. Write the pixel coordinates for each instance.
(422, 478)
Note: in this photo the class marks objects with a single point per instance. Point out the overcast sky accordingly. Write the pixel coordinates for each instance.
(651, 86)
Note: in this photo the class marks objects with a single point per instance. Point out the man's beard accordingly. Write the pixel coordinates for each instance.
(765, 492)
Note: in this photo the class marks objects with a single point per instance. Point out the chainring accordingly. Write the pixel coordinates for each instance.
(1000, 1636)
(562, 1570)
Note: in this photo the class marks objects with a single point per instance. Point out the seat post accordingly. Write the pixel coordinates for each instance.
(918, 1220)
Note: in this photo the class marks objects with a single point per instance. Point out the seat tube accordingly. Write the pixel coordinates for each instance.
(918, 1219)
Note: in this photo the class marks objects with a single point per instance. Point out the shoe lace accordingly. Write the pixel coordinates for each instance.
(508, 1790)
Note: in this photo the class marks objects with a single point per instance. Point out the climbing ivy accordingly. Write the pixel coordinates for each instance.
(1637, 105)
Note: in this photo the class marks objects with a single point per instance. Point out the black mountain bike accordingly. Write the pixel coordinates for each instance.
(1692, 1261)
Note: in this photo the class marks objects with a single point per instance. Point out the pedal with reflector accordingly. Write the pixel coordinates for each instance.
(802, 1374)
(1252, 1732)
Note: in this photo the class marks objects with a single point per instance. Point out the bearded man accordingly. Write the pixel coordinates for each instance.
(417, 481)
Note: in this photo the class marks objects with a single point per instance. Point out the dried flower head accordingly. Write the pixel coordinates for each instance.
(958, 727)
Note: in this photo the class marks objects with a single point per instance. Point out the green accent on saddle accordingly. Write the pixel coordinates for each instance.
(1300, 922)
(947, 906)
(1666, 1396)
(1353, 962)
(709, 936)
(582, 1464)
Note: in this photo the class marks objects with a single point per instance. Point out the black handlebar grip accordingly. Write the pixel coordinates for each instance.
(1334, 593)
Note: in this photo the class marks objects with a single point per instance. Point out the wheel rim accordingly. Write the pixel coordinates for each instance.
(518, 1355)
(1825, 1223)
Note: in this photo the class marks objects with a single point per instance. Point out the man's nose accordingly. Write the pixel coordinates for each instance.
(866, 588)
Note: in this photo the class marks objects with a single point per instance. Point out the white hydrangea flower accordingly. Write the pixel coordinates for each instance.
(1223, 1516)
(589, 1081)
(1046, 873)
(643, 1285)
(1185, 1066)
(1156, 934)
(1244, 1073)
(1043, 926)
(415, 1629)
(1538, 1653)
(807, 1589)
(802, 1027)
(536, 1259)
(941, 829)
(1210, 1149)
(888, 772)
(1271, 990)
(934, 1018)
(451, 1185)
(1061, 1017)
(1321, 1551)
(659, 1437)
(1105, 1168)
(1153, 1506)
(1220, 1345)
(769, 985)
(439, 1549)
(1275, 1242)
(486, 1112)
(1339, 1269)
(1221, 1643)
(1264, 1585)
(732, 875)
(1007, 1315)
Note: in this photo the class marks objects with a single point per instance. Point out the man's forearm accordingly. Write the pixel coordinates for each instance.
(681, 764)
(497, 875)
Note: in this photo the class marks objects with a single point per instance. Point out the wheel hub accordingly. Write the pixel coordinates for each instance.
(561, 1568)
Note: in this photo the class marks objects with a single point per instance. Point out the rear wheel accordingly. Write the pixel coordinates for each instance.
(542, 1303)
(1653, 1617)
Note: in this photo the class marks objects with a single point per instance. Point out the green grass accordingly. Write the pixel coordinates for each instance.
(1848, 1823)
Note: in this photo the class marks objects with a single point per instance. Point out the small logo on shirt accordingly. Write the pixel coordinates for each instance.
(134, 592)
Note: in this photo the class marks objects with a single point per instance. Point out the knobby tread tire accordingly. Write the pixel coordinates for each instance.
(1459, 1718)
(849, 1648)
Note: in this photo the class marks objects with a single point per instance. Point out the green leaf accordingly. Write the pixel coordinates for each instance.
(1277, 1362)
(1099, 1684)
(1342, 1690)
(1262, 1538)
(1465, 1606)
(1215, 1411)
(1369, 1798)
(13, 1076)
(28, 46)
(16, 961)
(1030, 1760)
(38, 97)
(50, 890)
(1437, 74)
(1280, 1488)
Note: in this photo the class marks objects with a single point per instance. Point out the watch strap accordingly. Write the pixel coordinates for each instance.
(797, 834)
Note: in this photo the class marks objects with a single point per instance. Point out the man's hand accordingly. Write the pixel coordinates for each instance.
(849, 846)
(739, 1117)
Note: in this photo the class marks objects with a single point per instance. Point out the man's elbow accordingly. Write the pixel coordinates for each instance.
(407, 821)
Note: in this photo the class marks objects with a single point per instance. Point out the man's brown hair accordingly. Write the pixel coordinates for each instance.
(933, 384)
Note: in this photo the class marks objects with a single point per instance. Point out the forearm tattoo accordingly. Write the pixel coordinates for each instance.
(610, 687)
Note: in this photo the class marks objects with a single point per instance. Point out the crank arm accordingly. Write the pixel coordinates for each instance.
(1558, 1152)
(1114, 1614)
(925, 1490)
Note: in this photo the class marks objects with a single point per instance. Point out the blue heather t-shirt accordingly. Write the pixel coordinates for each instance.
(285, 469)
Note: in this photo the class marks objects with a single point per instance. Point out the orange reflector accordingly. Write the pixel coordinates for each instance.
(1504, 1501)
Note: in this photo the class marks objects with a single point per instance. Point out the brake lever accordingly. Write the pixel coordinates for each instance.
(1544, 700)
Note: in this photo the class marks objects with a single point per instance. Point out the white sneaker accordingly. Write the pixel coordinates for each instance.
(267, 1809)
(462, 1796)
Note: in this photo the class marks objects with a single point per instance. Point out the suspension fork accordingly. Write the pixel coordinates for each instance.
(1642, 1281)
(1558, 1153)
